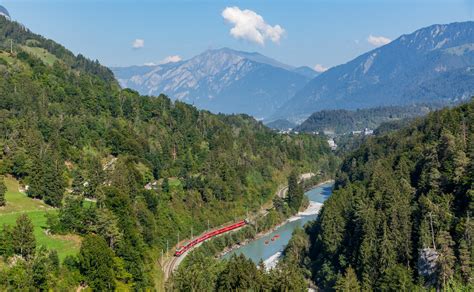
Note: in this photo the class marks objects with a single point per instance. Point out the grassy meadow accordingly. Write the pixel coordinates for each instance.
(18, 203)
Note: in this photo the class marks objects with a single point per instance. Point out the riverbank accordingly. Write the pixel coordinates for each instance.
(312, 209)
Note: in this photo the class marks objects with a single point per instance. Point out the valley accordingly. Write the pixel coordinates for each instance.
(224, 148)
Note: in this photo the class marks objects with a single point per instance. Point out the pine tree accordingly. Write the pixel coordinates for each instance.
(288, 278)
(3, 190)
(295, 193)
(240, 273)
(446, 258)
(71, 215)
(78, 183)
(107, 227)
(24, 241)
(40, 269)
(465, 261)
(6, 242)
(47, 182)
(349, 282)
(397, 278)
(96, 261)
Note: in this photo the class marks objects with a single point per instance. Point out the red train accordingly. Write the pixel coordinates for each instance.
(182, 249)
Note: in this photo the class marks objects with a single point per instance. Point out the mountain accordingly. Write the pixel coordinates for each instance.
(345, 121)
(399, 215)
(281, 125)
(154, 167)
(306, 71)
(222, 80)
(435, 63)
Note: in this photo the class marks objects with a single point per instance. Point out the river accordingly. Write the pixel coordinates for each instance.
(269, 251)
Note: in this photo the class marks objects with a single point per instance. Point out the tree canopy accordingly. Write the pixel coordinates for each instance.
(400, 212)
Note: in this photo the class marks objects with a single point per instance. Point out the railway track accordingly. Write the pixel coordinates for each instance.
(171, 263)
(170, 266)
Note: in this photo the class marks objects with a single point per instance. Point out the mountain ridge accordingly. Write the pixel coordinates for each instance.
(221, 80)
(414, 68)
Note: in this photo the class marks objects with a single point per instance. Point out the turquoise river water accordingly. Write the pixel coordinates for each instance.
(267, 250)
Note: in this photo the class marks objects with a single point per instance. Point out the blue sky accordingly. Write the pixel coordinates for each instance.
(296, 32)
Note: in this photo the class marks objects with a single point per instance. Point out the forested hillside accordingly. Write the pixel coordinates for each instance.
(83, 145)
(400, 216)
(346, 121)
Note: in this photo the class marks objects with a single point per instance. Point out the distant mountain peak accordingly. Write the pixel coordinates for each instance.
(221, 80)
(4, 12)
(252, 56)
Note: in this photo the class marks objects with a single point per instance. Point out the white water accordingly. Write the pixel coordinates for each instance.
(313, 209)
(269, 250)
(294, 218)
(272, 261)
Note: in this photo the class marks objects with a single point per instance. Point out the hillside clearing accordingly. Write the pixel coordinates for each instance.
(18, 203)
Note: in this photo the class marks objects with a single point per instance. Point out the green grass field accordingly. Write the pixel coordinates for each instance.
(18, 203)
(44, 55)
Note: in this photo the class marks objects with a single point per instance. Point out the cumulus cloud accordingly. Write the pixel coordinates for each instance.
(171, 59)
(320, 68)
(378, 40)
(250, 26)
(138, 44)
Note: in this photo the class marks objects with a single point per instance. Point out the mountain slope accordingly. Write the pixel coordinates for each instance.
(45, 49)
(155, 167)
(400, 213)
(432, 64)
(221, 80)
(345, 121)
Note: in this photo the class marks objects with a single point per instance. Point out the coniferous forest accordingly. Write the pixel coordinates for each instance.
(127, 173)
(124, 177)
(400, 218)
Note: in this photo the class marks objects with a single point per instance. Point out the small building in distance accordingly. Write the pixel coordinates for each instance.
(332, 144)
(4, 12)
(365, 132)
(368, 132)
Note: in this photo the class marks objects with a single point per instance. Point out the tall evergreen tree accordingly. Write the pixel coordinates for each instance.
(465, 261)
(96, 261)
(403, 201)
(47, 181)
(3, 191)
(6, 242)
(446, 258)
(348, 282)
(295, 193)
(24, 241)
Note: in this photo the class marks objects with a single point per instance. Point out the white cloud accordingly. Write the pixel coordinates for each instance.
(249, 25)
(171, 59)
(320, 68)
(138, 44)
(378, 40)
